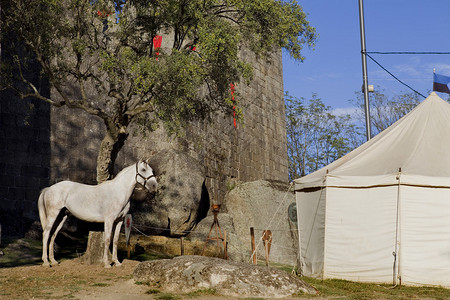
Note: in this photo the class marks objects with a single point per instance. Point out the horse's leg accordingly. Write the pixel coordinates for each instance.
(51, 218)
(45, 235)
(107, 240)
(117, 228)
(51, 251)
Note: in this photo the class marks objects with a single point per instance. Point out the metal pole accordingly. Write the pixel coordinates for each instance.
(364, 68)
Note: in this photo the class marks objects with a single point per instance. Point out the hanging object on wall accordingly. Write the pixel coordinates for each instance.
(127, 223)
(190, 46)
(157, 40)
(103, 15)
(232, 88)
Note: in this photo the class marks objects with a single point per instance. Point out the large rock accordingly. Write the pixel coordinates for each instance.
(181, 201)
(233, 279)
(261, 205)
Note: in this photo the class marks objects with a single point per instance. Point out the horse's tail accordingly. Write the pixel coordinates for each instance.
(42, 210)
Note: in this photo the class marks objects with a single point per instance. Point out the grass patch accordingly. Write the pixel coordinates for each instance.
(284, 267)
(167, 296)
(100, 284)
(153, 291)
(343, 289)
(202, 292)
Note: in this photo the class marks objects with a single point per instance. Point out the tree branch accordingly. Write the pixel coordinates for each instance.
(145, 107)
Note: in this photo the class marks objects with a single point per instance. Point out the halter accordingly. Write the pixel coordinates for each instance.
(143, 177)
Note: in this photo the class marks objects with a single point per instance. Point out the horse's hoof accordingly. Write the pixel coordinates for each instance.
(46, 264)
(117, 264)
(107, 266)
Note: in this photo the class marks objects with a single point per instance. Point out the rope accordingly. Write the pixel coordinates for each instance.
(407, 52)
(366, 53)
(196, 232)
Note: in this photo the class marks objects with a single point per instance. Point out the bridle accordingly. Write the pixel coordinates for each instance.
(142, 176)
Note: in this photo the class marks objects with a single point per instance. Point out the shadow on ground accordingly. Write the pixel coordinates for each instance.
(23, 252)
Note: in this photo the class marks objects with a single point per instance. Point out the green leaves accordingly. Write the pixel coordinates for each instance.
(316, 136)
(385, 109)
(99, 54)
(109, 45)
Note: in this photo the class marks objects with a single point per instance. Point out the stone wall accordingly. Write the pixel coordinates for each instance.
(255, 150)
(61, 143)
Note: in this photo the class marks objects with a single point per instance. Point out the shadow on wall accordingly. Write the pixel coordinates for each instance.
(76, 139)
(24, 160)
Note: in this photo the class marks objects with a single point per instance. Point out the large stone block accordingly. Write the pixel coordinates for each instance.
(182, 199)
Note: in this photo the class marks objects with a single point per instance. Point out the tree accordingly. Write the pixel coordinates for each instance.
(316, 136)
(384, 111)
(100, 56)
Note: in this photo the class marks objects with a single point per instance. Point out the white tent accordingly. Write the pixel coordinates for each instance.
(382, 212)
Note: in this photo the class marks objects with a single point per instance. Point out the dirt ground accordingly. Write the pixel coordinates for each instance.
(74, 280)
(70, 279)
(23, 277)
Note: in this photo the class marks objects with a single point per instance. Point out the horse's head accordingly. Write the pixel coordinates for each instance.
(145, 176)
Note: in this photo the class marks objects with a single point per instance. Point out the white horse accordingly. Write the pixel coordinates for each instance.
(106, 203)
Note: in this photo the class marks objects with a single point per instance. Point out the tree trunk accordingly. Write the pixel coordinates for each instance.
(109, 148)
(112, 143)
(94, 250)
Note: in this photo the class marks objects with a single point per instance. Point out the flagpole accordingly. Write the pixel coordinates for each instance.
(364, 69)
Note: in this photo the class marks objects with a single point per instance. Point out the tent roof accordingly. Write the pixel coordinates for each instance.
(418, 143)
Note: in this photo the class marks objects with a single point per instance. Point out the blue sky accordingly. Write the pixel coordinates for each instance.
(333, 70)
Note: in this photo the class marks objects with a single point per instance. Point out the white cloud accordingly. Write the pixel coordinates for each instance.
(345, 111)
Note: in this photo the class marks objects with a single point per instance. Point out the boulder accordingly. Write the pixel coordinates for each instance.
(226, 224)
(262, 205)
(185, 274)
(182, 199)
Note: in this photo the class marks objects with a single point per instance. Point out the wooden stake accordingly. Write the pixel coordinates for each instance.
(182, 246)
(225, 245)
(252, 235)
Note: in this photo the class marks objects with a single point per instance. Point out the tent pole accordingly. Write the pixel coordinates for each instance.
(396, 269)
(364, 69)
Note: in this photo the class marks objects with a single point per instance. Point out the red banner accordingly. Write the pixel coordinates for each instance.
(157, 40)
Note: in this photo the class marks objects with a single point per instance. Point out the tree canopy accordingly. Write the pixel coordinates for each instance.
(315, 135)
(384, 109)
(100, 56)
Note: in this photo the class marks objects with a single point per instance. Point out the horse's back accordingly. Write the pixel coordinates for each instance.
(85, 202)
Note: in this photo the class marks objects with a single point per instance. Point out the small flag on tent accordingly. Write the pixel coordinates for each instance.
(440, 83)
